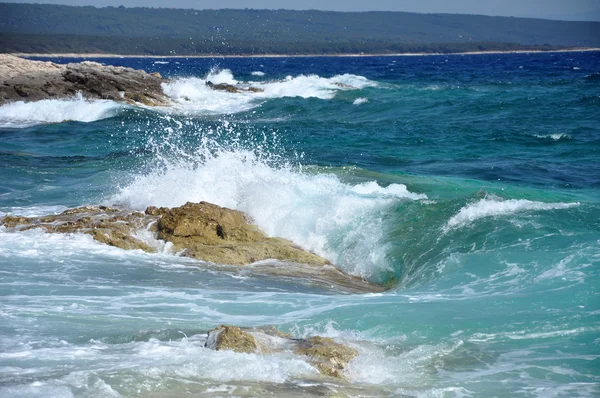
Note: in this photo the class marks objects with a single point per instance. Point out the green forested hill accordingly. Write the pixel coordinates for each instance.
(55, 28)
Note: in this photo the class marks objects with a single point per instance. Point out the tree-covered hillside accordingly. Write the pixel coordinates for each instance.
(55, 28)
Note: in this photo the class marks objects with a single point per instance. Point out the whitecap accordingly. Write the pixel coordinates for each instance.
(489, 207)
(24, 114)
(192, 95)
(342, 222)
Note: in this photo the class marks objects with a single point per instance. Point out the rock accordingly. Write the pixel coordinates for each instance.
(231, 338)
(111, 226)
(223, 87)
(233, 89)
(203, 231)
(329, 357)
(216, 234)
(22, 79)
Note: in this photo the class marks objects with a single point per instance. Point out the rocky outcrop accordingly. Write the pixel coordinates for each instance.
(26, 80)
(220, 235)
(328, 356)
(203, 231)
(231, 338)
(230, 88)
(111, 226)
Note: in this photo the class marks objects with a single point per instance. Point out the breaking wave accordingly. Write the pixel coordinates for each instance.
(340, 221)
(490, 207)
(24, 114)
(192, 95)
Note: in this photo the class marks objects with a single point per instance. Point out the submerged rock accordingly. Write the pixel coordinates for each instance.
(328, 356)
(26, 80)
(111, 226)
(203, 231)
(230, 88)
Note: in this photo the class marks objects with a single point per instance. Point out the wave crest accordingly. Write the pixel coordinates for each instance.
(191, 94)
(489, 207)
(24, 114)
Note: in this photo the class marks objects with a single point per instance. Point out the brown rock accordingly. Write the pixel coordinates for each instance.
(329, 357)
(203, 231)
(231, 338)
(223, 87)
(216, 234)
(22, 79)
(111, 226)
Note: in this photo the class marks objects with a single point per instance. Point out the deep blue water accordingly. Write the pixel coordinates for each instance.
(468, 183)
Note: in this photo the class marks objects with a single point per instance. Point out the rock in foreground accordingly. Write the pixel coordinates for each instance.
(26, 80)
(329, 357)
(203, 231)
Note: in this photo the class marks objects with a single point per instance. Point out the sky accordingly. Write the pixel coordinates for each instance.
(573, 10)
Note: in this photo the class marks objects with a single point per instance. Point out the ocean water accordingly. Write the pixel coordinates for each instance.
(467, 184)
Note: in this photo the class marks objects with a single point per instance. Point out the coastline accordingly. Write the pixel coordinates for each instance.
(100, 55)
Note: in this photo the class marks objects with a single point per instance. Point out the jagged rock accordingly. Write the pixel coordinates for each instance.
(22, 79)
(223, 87)
(111, 226)
(230, 88)
(329, 357)
(203, 231)
(231, 338)
(212, 233)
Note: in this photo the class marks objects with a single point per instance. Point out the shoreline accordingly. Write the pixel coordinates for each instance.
(100, 55)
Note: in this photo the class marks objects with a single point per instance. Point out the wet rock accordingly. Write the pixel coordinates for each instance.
(111, 226)
(22, 79)
(216, 234)
(223, 87)
(231, 338)
(329, 357)
(230, 88)
(203, 231)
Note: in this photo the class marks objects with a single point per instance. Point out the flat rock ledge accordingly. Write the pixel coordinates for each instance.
(328, 356)
(27, 80)
(203, 231)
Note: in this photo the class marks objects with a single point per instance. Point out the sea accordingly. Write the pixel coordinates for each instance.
(467, 185)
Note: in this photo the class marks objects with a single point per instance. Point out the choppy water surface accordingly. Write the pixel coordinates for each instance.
(471, 184)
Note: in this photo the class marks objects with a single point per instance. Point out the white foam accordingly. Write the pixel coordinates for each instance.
(342, 222)
(490, 207)
(360, 101)
(555, 137)
(35, 211)
(24, 114)
(192, 95)
(258, 73)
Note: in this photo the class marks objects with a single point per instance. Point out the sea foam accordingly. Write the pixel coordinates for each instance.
(192, 95)
(24, 114)
(489, 207)
(341, 221)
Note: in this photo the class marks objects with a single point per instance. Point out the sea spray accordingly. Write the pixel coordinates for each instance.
(23, 114)
(193, 96)
(343, 222)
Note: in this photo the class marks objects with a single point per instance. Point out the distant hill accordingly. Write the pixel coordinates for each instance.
(56, 28)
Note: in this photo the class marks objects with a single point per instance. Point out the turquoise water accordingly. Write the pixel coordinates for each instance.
(468, 184)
